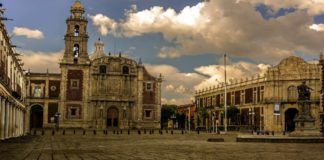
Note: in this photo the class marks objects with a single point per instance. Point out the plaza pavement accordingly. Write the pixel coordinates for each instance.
(147, 146)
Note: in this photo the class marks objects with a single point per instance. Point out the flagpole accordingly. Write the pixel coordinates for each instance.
(225, 96)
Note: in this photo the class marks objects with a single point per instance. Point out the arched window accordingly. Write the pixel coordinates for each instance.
(125, 70)
(76, 30)
(76, 51)
(102, 69)
(292, 93)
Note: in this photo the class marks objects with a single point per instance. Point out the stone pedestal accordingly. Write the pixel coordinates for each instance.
(305, 123)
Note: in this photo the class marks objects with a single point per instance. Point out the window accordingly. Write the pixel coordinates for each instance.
(76, 51)
(148, 114)
(292, 93)
(149, 86)
(38, 91)
(76, 30)
(73, 112)
(102, 69)
(74, 84)
(125, 70)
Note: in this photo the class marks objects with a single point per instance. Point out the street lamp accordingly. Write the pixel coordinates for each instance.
(251, 113)
(173, 117)
(101, 114)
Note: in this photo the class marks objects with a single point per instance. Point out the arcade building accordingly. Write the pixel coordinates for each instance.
(266, 102)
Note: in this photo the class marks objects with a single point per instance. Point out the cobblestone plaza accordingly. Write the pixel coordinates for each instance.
(149, 146)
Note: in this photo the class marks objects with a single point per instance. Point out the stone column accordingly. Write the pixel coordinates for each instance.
(17, 122)
(20, 122)
(45, 114)
(7, 120)
(1, 119)
(10, 120)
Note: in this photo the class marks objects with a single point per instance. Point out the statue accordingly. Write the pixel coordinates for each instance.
(303, 92)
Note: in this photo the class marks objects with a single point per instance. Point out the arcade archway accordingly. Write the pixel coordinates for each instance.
(290, 114)
(36, 116)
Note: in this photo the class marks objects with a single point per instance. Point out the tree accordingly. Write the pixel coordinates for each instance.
(203, 114)
(232, 112)
(166, 112)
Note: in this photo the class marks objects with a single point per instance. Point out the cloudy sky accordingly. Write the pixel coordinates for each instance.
(183, 39)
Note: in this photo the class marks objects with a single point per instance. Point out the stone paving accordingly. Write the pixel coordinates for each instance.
(148, 147)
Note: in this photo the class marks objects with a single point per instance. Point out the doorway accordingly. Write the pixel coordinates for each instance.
(290, 114)
(36, 116)
(112, 117)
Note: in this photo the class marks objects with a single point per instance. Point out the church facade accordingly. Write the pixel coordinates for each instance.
(98, 91)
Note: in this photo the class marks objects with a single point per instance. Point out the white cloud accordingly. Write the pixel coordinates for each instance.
(177, 86)
(103, 23)
(235, 71)
(169, 88)
(317, 27)
(41, 61)
(29, 33)
(223, 25)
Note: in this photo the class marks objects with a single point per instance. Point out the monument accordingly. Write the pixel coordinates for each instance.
(304, 122)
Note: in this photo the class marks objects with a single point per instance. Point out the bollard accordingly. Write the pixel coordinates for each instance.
(181, 131)
(171, 131)
(104, 131)
(121, 131)
(43, 132)
(63, 132)
(144, 131)
(128, 132)
(150, 131)
(84, 132)
(94, 132)
(273, 133)
(197, 131)
(161, 132)
(74, 131)
(166, 131)
(117, 132)
(114, 131)
(139, 131)
(53, 132)
(35, 132)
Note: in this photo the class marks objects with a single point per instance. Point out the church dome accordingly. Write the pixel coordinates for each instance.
(99, 50)
(77, 6)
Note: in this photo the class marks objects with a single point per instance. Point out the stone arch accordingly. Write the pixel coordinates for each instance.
(290, 114)
(112, 117)
(36, 116)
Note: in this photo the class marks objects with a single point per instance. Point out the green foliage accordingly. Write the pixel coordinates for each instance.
(232, 112)
(203, 113)
(167, 111)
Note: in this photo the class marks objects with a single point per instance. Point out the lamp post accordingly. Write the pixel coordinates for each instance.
(101, 115)
(225, 94)
(189, 119)
(251, 113)
(173, 117)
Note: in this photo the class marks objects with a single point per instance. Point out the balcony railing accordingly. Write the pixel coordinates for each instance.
(287, 100)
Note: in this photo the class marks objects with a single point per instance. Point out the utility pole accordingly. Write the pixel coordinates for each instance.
(225, 99)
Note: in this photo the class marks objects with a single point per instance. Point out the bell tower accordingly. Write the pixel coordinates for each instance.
(75, 70)
(76, 37)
